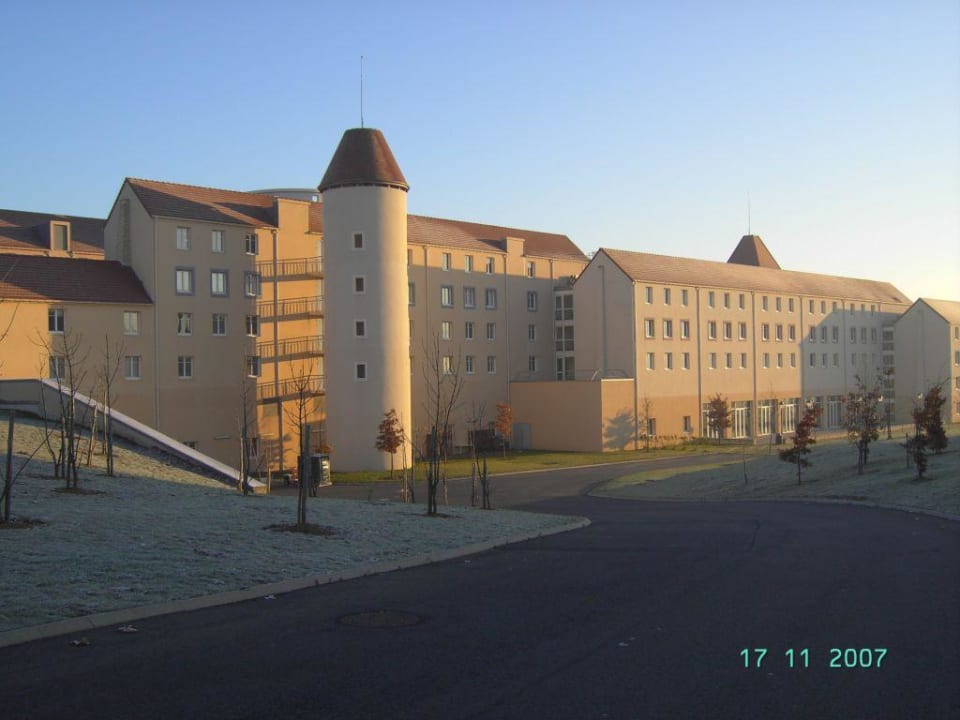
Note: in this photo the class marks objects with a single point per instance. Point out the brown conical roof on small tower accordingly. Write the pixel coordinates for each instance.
(751, 251)
(363, 158)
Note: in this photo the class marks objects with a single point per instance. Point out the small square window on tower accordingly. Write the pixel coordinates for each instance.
(360, 328)
(358, 241)
(359, 284)
(360, 371)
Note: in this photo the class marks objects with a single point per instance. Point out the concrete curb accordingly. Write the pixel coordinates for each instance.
(128, 615)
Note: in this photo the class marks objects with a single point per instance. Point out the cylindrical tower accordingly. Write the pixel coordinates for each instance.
(366, 323)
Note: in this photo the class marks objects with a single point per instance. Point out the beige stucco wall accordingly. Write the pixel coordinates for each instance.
(925, 355)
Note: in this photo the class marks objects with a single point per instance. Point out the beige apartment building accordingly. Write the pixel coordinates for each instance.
(224, 300)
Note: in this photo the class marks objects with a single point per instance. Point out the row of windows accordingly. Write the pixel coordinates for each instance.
(726, 299)
(184, 241)
(713, 358)
(131, 367)
(219, 283)
(446, 263)
(219, 324)
(446, 331)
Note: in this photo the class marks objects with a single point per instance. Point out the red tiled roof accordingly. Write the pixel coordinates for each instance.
(163, 199)
(486, 238)
(751, 251)
(363, 158)
(64, 279)
(645, 267)
(20, 232)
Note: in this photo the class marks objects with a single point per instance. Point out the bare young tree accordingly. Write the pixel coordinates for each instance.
(246, 416)
(444, 383)
(718, 416)
(297, 412)
(802, 440)
(643, 421)
(863, 418)
(67, 361)
(108, 374)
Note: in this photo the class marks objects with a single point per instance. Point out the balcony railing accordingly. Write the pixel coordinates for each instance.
(290, 348)
(293, 308)
(292, 269)
(291, 387)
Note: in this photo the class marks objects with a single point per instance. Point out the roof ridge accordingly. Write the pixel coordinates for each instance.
(198, 187)
(56, 215)
(490, 225)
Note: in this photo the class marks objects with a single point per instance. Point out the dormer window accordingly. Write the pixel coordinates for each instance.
(60, 236)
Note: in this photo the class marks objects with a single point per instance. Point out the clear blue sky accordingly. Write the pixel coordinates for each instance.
(635, 125)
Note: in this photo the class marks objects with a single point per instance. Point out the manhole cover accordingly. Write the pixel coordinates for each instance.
(380, 619)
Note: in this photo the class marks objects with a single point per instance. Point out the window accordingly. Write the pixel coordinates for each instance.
(956, 357)
(131, 322)
(668, 329)
(666, 296)
(251, 284)
(742, 301)
(853, 359)
(685, 360)
(726, 300)
(779, 360)
(531, 269)
(836, 359)
(469, 298)
(491, 364)
(765, 331)
(219, 324)
(789, 304)
(446, 296)
(468, 263)
(491, 331)
(791, 333)
(863, 335)
(728, 360)
(728, 331)
(531, 363)
(468, 363)
(813, 360)
(778, 304)
(358, 245)
(359, 328)
(763, 302)
(743, 361)
(360, 369)
(360, 285)
(250, 244)
(793, 360)
(668, 361)
(687, 424)
(468, 331)
(218, 282)
(651, 361)
(835, 333)
(445, 261)
(684, 297)
(823, 333)
(61, 234)
(823, 360)
(216, 241)
(184, 323)
(649, 294)
(446, 330)
(648, 325)
(813, 334)
(532, 300)
(253, 325)
(183, 238)
(778, 332)
(411, 294)
(766, 360)
(713, 361)
(810, 307)
(532, 332)
(131, 367)
(853, 335)
(684, 329)
(873, 335)
(55, 322)
(490, 298)
(184, 279)
(490, 266)
(712, 330)
(446, 364)
(58, 366)
(742, 329)
(184, 366)
(253, 365)
(710, 299)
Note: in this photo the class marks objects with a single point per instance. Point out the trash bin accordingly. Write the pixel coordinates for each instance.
(320, 468)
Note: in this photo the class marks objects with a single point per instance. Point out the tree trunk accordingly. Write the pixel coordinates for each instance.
(8, 479)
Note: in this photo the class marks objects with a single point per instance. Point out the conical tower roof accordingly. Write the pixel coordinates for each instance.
(363, 158)
(751, 251)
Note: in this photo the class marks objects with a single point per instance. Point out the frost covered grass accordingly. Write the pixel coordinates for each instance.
(160, 532)
(887, 480)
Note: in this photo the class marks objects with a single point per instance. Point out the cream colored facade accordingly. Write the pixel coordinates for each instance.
(933, 325)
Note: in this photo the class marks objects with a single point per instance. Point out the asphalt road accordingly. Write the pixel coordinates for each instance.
(644, 614)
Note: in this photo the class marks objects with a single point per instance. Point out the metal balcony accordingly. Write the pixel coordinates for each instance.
(292, 269)
(291, 348)
(309, 385)
(292, 308)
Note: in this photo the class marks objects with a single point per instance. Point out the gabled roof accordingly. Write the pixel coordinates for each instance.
(19, 232)
(486, 238)
(645, 267)
(363, 158)
(164, 199)
(751, 251)
(65, 279)
(949, 310)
